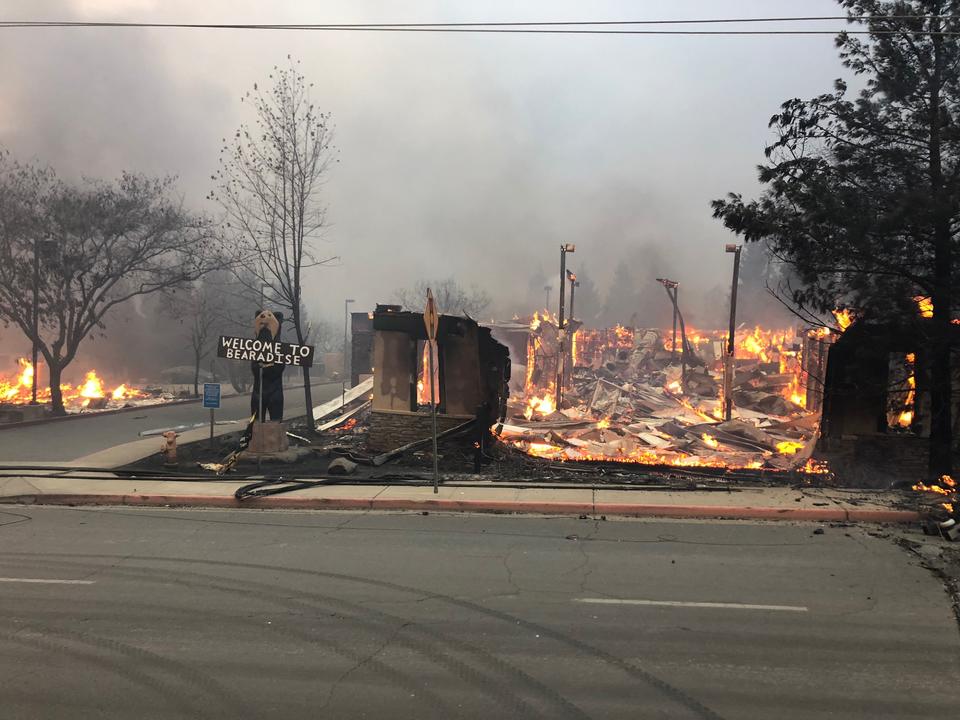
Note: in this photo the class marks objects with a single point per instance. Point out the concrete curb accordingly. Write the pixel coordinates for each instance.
(721, 512)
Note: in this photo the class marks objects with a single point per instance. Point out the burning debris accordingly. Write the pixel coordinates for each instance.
(92, 394)
(632, 397)
(939, 503)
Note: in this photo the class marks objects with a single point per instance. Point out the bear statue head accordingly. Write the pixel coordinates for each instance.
(266, 324)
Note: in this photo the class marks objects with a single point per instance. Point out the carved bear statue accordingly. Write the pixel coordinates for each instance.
(266, 326)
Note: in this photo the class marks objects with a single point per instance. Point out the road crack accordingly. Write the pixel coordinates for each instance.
(361, 662)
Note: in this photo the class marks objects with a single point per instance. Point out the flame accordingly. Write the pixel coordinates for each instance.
(936, 489)
(23, 383)
(542, 406)
(92, 388)
(924, 306)
(816, 467)
(948, 507)
(18, 390)
(424, 383)
(710, 441)
(905, 418)
(603, 424)
(844, 318)
(788, 447)
(347, 426)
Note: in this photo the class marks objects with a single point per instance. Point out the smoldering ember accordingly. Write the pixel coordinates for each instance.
(460, 360)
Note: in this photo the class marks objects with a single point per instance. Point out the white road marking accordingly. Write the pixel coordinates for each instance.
(680, 603)
(47, 581)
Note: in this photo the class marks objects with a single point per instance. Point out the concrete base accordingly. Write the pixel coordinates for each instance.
(268, 438)
(21, 413)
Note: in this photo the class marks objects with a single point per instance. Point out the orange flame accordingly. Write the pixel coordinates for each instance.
(844, 318)
(924, 306)
(788, 447)
(19, 389)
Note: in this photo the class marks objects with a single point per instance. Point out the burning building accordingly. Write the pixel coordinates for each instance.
(876, 400)
(471, 376)
(631, 397)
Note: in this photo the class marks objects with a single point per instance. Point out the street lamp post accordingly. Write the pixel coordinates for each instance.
(572, 277)
(564, 249)
(728, 365)
(343, 383)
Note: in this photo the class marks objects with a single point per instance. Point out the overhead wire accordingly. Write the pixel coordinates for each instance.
(561, 27)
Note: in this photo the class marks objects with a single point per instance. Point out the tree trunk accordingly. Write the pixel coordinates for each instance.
(196, 375)
(56, 395)
(941, 385)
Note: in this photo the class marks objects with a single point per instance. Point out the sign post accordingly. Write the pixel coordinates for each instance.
(431, 321)
(211, 399)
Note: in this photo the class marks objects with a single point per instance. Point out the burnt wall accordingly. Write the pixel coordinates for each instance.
(390, 430)
(394, 357)
(461, 373)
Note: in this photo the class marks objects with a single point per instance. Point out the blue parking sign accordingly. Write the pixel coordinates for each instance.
(211, 395)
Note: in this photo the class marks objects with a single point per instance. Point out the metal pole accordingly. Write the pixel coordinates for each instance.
(673, 354)
(211, 426)
(547, 289)
(260, 419)
(563, 280)
(573, 289)
(728, 384)
(343, 380)
(36, 317)
(433, 414)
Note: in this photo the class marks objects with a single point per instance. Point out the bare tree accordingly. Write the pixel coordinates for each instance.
(101, 244)
(451, 297)
(269, 185)
(199, 309)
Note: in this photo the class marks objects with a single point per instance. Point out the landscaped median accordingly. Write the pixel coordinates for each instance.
(738, 504)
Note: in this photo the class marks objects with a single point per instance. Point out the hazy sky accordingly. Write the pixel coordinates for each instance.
(466, 155)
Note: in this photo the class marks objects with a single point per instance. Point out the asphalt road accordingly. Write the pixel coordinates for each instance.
(268, 614)
(71, 439)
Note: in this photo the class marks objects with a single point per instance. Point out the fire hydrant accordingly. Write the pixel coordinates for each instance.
(169, 448)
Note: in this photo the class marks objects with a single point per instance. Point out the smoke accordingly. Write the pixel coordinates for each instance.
(460, 155)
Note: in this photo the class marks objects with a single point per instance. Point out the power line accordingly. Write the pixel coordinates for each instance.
(572, 27)
(531, 23)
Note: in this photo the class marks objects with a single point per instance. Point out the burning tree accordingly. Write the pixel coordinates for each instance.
(269, 185)
(96, 245)
(863, 193)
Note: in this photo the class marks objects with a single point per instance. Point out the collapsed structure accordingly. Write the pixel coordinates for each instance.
(631, 397)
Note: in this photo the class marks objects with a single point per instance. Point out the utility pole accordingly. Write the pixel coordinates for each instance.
(673, 291)
(728, 365)
(564, 249)
(343, 380)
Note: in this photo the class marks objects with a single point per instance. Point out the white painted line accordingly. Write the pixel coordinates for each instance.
(46, 581)
(679, 603)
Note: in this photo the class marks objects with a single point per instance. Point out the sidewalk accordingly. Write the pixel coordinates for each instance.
(740, 504)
